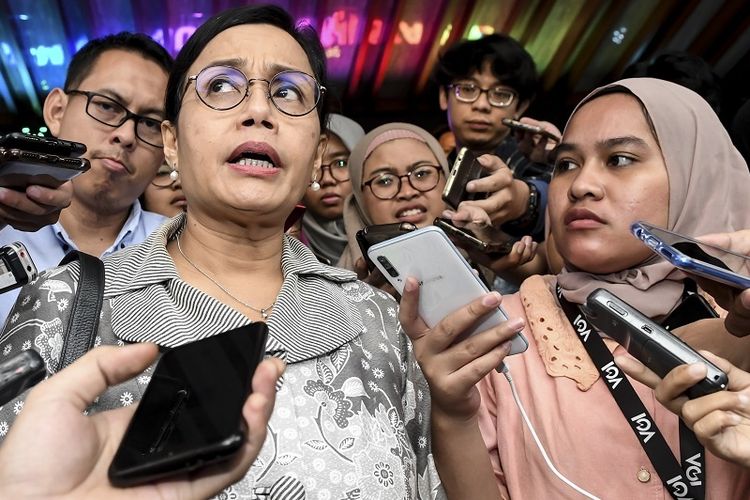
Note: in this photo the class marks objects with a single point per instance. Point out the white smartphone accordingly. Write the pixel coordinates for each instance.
(447, 282)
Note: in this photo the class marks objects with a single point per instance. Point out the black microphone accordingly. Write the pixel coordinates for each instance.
(20, 372)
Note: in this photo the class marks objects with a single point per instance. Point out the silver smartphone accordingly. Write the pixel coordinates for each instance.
(693, 256)
(447, 281)
(652, 345)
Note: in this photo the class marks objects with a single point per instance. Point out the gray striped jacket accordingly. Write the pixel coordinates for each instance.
(352, 415)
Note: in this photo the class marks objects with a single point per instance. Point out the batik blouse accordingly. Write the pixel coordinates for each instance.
(351, 418)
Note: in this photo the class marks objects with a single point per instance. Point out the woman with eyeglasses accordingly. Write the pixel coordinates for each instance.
(323, 223)
(244, 116)
(634, 150)
(164, 193)
(398, 174)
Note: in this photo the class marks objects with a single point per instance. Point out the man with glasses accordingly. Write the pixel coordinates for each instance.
(113, 101)
(481, 82)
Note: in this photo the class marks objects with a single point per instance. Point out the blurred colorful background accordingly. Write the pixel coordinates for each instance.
(381, 53)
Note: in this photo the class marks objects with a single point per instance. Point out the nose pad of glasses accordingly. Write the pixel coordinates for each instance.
(258, 104)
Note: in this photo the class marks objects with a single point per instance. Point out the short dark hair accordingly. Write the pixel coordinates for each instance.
(83, 61)
(683, 69)
(304, 34)
(509, 61)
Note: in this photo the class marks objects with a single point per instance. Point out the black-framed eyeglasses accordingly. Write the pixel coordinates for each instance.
(339, 169)
(294, 93)
(500, 97)
(386, 186)
(110, 112)
(162, 180)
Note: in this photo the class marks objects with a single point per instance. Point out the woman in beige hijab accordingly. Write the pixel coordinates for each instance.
(637, 150)
(398, 172)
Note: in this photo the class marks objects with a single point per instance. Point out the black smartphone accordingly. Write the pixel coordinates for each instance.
(693, 308)
(481, 237)
(466, 168)
(527, 127)
(191, 412)
(370, 235)
(20, 372)
(49, 145)
(16, 266)
(20, 168)
(649, 343)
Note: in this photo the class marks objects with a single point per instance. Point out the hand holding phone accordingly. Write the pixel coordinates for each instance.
(731, 440)
(447, 281)
(59, 403)
(483, 238)
(191, 412)
(20, 168)
(658, 349)
(695, 257)
(466, 168)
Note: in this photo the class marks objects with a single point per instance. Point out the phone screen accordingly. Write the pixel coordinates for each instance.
(191, 411)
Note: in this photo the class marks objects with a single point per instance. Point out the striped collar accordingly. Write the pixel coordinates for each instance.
(312, 316)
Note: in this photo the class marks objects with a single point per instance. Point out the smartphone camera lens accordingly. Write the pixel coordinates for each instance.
(388, 266)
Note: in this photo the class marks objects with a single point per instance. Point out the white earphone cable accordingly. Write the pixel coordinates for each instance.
(506, 372)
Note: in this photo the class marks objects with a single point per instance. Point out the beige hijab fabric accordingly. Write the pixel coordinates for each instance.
(355, 216)
(709, 191)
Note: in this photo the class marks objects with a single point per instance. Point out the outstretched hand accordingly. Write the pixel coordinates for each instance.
(453, 365)
(736, 302)
(721, 421)
(53, 449)
(34, 208)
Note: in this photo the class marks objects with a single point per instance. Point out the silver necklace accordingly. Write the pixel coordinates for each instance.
(264, 311)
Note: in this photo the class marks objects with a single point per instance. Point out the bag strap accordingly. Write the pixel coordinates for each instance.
(85, 309)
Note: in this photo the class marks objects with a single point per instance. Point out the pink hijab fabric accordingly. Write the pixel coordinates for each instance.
(355, 215)
(709, 192)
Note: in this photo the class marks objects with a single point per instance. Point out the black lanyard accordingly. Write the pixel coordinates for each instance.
(685, 482)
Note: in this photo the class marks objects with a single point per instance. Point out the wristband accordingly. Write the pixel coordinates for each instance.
(532, 210)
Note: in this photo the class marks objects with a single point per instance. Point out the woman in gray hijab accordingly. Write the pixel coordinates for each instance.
(323, 222)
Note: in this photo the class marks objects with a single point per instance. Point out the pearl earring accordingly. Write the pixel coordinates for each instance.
(314, 184)
(174, 174)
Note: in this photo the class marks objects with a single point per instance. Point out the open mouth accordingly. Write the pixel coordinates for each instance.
(253, 159)
(411, 212)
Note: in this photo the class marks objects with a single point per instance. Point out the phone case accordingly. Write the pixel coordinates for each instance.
(466, 168)
(447, 282)
(714, 269)
(19, 168)
(190, 415)
(494, 246)
(519, 125)
(370, 235)
(652, 345)
(49, 145)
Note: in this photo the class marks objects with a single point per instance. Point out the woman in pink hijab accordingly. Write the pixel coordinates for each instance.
(636, 150)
